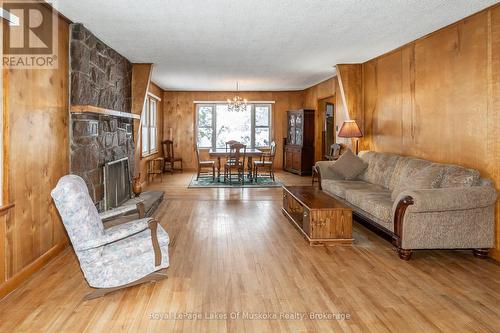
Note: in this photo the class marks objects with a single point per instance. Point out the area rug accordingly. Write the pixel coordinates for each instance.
(208, 182)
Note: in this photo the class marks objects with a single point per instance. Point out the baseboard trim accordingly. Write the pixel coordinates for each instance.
(11, 284)
(495, 254)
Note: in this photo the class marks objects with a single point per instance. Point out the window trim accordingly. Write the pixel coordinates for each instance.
(147, 108)
(253, 127)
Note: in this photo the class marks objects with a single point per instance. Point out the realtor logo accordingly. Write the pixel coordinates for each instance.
(30, 38)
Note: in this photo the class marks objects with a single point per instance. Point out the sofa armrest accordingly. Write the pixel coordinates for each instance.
(324, 171)
(448, 199)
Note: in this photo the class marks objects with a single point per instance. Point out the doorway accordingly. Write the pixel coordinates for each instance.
(327, 108)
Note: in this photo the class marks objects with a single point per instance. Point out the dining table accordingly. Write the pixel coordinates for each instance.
(250, 153)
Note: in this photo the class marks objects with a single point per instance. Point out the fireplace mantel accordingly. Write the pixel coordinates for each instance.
(98, 110)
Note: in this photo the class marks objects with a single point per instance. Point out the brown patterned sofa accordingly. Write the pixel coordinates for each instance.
(457, 212)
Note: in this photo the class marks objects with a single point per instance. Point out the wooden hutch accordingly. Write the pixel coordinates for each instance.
(299, 147)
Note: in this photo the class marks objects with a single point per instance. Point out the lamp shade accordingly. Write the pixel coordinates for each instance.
(350, 129)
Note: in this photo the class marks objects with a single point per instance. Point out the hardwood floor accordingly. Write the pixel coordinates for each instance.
(232, 251)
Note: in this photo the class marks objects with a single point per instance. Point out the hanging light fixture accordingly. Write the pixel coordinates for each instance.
(236, 104)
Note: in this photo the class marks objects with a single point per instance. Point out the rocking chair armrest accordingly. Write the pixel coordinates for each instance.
(125, 230)
(153, 226)
(116, 233)
(113, 234)
(123, 210)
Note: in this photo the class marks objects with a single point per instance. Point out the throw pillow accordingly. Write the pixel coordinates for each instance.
(348, 166)
(427, 178)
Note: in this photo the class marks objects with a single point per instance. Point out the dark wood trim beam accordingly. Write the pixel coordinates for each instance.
(481, 253)
(99, 110)
(399, 214)
(141, 209)
(153, 225)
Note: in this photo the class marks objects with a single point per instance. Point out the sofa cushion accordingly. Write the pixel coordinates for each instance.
(457, 176)
(427, 178)
(406, 167)
(380, 168)
(348, 166)
(340, 187)
(377, 203)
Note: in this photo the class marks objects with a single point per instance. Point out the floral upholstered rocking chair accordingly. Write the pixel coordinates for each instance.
(119, 256)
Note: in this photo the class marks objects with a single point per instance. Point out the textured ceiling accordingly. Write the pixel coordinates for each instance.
(263, 44)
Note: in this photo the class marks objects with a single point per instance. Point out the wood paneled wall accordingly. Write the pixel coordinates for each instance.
(36, 115)
(155, 90)
(179, 113)
(312, 95)
(141, 78)
(438, 98)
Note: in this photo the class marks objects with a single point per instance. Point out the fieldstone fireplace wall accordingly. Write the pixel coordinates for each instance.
(97, 140)
(99, 77)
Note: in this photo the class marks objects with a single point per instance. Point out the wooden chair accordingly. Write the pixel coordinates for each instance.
(266, 162)
(170, 159)
(207, 164)
(334, 152)
(235, 161)
(228, 146)
(155, 167)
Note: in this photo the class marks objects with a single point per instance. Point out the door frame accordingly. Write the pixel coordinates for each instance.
(321, 119)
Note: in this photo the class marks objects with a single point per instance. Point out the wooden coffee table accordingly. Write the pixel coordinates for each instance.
(322, 219)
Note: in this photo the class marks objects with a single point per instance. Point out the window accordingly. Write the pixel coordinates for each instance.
(215, 125)
(149, 130)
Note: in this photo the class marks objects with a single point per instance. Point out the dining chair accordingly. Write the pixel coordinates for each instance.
(204, 164)
(334, 152)
(229, 144)
(235, 161)
(170, 159)
(266, 163)
(228, 147)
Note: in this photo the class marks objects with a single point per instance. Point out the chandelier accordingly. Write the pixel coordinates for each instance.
(236, 104)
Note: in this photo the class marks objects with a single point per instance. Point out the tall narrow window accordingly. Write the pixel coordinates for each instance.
(149, 127)
(153, 125)
(205, 125)
(262, 125)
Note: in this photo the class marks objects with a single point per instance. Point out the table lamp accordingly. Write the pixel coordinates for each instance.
(351, 130)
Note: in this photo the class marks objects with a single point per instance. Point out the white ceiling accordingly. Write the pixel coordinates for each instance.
(263, 44)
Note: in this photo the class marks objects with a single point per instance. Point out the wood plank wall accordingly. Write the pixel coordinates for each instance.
(36, 141)
(438, 98)
(141, 79)
(312, 95)
(179, 114)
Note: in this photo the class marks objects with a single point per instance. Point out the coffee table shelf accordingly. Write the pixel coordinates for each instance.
(320, 218)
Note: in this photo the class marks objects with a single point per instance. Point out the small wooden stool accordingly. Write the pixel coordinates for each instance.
(155, 167)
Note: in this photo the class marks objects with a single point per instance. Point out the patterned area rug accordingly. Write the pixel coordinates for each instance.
(208, 182)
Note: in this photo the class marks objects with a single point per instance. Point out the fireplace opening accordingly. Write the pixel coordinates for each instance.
(117, 183)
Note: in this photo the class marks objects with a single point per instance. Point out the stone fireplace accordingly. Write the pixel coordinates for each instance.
(100, 79)
(97, 140)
